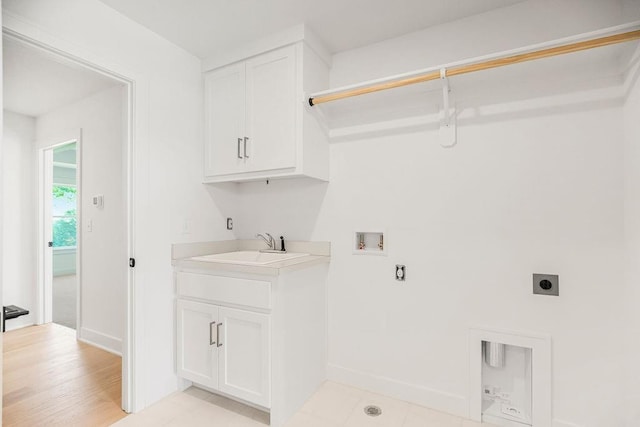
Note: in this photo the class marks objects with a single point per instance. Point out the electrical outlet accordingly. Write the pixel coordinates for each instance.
(546, 284)
(229, 223)
(400, 272)
(186, 226)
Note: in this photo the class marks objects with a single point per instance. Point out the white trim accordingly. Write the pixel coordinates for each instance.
(41, 242)
(265, 44)
(420, 395)
(65, 166)
(137, 145)
(44, 282)
(560, 423)
(540, 344)
(98, 339)
(16, 325)
(62, 273)
(79, 235)
(64, 249)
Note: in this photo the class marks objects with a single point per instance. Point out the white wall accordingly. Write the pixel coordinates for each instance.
(472, 224)
(537, 187)
(64, 262)
(167, 160)
(522, 24)
(19, 212)
(632, 236)
(103, 171)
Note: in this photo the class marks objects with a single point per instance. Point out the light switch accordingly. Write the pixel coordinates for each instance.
(98, 201)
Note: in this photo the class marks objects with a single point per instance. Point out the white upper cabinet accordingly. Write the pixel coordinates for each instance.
(257, 122)
(224, 103)
(270, 113)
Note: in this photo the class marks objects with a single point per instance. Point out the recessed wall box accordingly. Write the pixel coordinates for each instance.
(369, 243)
(506, 384)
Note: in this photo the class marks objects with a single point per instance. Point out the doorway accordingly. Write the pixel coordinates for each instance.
(60, 200)
(102, 318)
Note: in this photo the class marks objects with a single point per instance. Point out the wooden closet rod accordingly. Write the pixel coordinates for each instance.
(486, 65)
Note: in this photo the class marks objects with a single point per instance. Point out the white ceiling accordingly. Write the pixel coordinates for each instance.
(35, 82)
(205, 27)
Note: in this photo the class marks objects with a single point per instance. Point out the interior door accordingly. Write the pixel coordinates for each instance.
(47, 227)
(244, 365)
(270, 117)
(224, 123)
(197, 342)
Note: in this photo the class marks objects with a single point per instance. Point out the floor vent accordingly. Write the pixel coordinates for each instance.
(372, 411)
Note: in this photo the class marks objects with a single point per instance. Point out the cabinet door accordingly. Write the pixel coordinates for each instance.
(224, 121)
(244, 366)
(197, 340)
(270, 110)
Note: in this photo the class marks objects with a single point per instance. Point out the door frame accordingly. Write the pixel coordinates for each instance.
(136, 86)
(44, 299)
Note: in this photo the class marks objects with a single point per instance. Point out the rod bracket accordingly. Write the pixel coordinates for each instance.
(445, 94)
(447, 131)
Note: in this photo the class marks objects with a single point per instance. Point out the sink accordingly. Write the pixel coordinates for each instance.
(249, 257)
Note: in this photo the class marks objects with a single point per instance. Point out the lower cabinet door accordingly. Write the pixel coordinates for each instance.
(244, 352)
(197, 337)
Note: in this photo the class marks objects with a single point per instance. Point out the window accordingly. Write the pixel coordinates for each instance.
(64, 216)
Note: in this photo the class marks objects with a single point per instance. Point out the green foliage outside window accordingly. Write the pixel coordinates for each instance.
(64, 224)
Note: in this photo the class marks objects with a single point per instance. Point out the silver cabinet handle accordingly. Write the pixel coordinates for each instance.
(245, 147)
(246, 138)
(218, 334)
(211, 341)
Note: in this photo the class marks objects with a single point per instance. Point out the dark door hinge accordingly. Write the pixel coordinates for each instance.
(132, 262)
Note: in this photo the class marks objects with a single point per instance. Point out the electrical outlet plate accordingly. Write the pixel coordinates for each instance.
(546, 284)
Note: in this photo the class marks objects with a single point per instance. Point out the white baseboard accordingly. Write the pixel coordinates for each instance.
(17, 325)
(424, 396)
(100, 340)
(560, 423)
(502, 422)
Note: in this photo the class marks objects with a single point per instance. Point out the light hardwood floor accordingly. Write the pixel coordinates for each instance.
(50, 379)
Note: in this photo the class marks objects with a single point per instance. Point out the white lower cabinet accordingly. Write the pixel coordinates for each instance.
(226, 349)
(197, 352)
(244, 357)
(259, 338)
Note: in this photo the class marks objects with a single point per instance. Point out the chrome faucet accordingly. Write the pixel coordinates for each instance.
(270, 241)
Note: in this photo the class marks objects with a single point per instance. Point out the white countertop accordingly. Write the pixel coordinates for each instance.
(188, 256)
